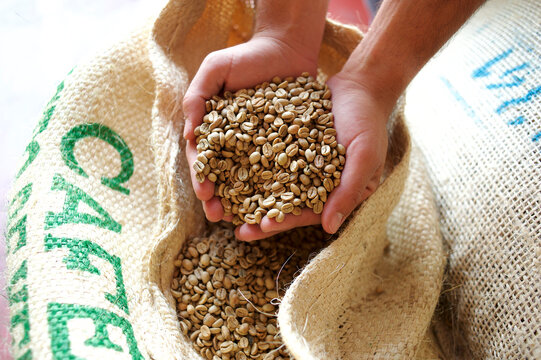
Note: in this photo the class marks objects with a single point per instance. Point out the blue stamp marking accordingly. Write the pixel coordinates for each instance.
(518, 121)
(520, 100)
(511, 75)
(516, 82)
(516, 68)
(484, 70)
(469, 110)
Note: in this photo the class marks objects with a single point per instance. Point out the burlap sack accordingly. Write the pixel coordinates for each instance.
(475, 111)
(103, 203)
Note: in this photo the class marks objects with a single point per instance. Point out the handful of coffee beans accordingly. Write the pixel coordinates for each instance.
(270, 150)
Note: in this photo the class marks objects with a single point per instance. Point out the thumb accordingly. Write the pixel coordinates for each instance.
(360, 178)
(208, 81)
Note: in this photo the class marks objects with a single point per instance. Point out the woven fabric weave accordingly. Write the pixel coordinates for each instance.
(475, 111)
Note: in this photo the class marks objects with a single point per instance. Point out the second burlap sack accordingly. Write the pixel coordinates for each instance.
(475, 111)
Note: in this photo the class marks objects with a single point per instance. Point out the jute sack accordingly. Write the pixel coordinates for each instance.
(475, 111)
(103, 202)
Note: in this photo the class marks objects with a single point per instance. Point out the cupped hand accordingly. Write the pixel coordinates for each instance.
(360, 122)
(234, 68)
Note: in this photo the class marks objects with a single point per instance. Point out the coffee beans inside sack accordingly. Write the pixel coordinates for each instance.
(270, 150)
(228, 291)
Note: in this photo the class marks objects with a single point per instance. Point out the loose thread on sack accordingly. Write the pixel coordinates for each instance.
(277, 349)
(306, 319)
(255, 307)
(451, 289)
(308, 311)
(282, 268)
(338, 268)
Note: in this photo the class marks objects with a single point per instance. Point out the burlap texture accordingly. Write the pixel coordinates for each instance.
(475, 111)
(75, 240)
(371, 293)
(104, 203)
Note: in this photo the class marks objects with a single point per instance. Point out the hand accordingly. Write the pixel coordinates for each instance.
(241, 66)
(360, 122)
(401, 39)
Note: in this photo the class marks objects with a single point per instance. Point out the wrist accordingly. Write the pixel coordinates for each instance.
(297, 24)
(402, 38)
(291, 47)
(383, 73)
(377, 82)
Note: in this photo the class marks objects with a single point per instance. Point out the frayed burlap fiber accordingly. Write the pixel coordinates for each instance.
(103, 203)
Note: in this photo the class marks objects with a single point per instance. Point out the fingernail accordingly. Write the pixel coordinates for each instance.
(336, 222)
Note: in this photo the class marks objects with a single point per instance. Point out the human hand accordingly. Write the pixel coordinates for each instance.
(398, 44)
(241, 66)
(360, 123)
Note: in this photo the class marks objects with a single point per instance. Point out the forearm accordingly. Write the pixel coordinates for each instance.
(298, 23)
(404, 35)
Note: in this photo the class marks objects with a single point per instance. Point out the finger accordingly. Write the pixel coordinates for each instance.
(249, 232)
(307, 217)
(228, 218)
(372, 185)
(358, 171)
(208, 81)
(194, 110)
(213, 209)
(205, 190)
